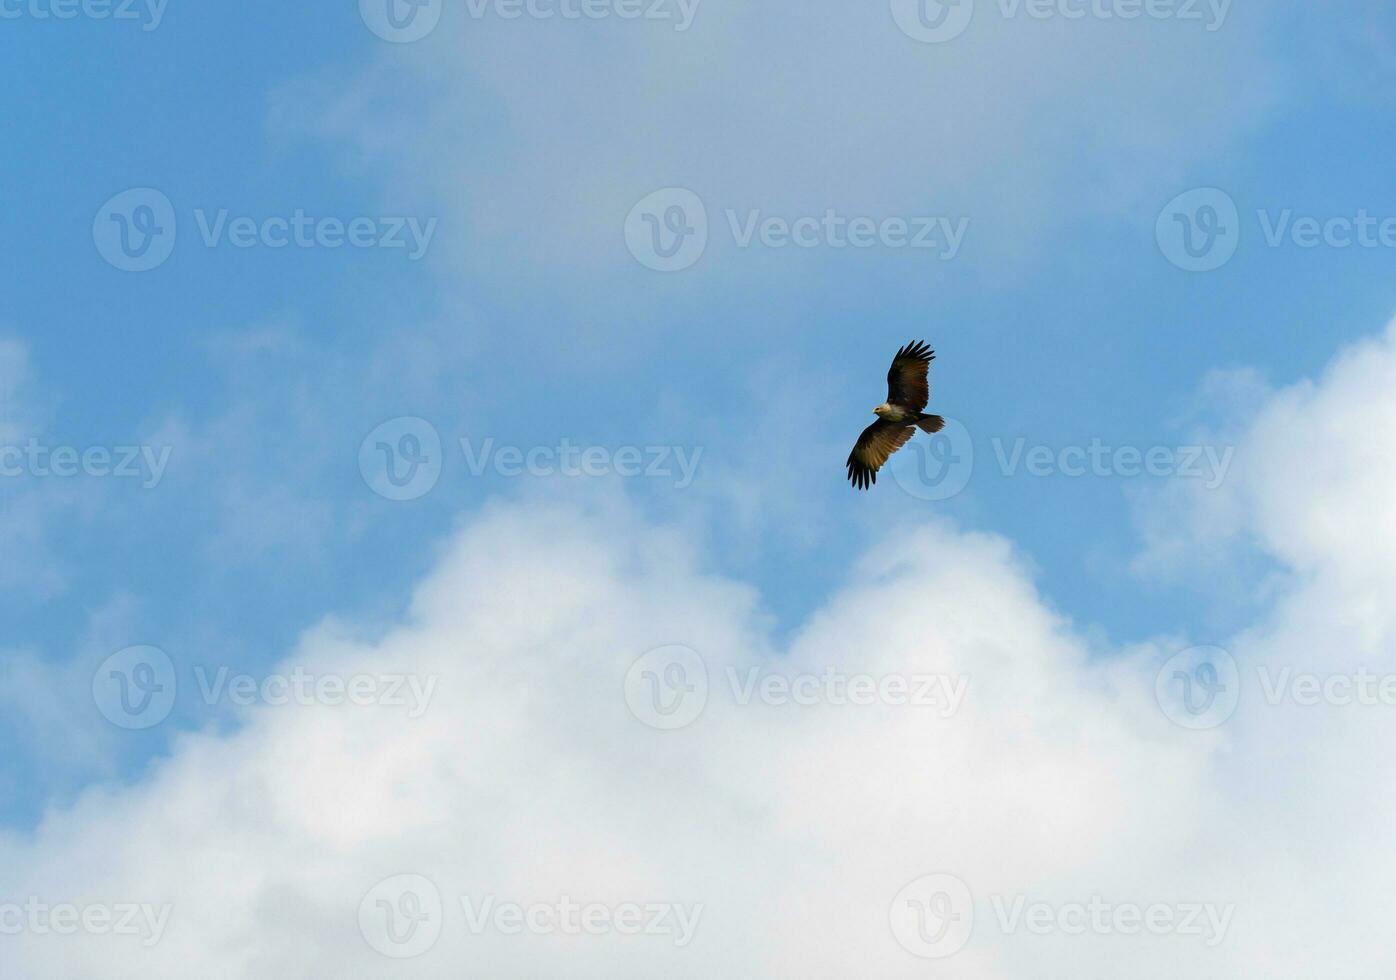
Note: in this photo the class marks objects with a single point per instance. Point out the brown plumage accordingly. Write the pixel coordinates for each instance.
(897, 418)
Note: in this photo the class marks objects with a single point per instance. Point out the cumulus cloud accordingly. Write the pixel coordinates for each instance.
(783, 828)
(1308, 484)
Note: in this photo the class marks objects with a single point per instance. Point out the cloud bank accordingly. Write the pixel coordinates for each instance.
(570, 802)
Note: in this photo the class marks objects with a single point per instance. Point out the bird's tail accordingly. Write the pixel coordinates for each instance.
(930, 423)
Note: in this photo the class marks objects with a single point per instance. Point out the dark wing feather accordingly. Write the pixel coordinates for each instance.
(906, 381)
(878, 442)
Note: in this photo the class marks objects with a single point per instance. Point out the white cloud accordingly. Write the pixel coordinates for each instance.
(529, 779)
(532, 140)
(1308, 485)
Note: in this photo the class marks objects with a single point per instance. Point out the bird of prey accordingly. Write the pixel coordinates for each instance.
(898, 417)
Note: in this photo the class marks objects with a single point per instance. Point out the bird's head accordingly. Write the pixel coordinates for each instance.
(882, 409)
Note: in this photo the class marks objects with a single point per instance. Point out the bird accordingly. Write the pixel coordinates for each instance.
(898, 417)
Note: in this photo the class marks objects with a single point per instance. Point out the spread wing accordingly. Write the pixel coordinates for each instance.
(906, 381)
(878, 441)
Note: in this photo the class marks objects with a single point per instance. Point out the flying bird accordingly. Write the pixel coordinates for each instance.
(898, 417)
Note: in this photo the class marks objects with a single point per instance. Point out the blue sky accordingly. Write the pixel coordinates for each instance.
(1060, 321)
